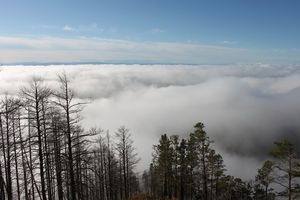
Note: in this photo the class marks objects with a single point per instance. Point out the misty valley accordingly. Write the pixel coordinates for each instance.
(47, 151)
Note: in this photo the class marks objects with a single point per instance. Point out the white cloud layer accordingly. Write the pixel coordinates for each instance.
(244, 107)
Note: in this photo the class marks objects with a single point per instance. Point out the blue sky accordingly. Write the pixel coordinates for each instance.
(149, 30)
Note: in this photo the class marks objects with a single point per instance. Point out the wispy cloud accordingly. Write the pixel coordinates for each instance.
(157, 31)
(80, 49)
(229, 42)
(83, 28)
(68, 28)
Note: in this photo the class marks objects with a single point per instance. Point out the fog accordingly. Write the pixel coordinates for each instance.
(245, 108)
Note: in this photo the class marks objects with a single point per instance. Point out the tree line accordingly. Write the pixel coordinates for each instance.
(187, 169)
(46, 154)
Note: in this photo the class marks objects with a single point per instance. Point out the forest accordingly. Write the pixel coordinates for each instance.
(46, 154)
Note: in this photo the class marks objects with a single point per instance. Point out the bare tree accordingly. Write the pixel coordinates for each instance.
(70, 112)
(9, 108)
(34, 97)
(128, 158)
(46, 154)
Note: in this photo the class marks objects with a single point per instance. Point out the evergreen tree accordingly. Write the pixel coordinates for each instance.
(265, 177)
(288, 166)
(183, 169)
(163, 165)
(202, 150)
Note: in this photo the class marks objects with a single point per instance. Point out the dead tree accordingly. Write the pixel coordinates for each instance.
(70, 113)
(128, 158)
(34, 96)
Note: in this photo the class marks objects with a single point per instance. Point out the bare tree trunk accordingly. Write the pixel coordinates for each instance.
(35, 96)
(121, 179)
(70, 158)
(23, 161)
(47, 152)
(2, 184)
(127, 158)
(8, 164)
(30, 156)
(109, 167)
(16, 159)
(101, 175)
(33, 180)
(40, 148)
(4, 157)
(57, 159)
(64, 101)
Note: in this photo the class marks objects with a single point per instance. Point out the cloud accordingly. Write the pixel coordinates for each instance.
(86, 49)
(229, 42)
(244, 107)
(83, 28)
(96, 49)
(157, 31)
(68, 28)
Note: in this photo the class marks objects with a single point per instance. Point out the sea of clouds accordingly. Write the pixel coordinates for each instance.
(245, 108)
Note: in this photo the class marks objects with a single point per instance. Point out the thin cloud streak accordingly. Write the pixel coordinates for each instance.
(84, 49)
(229, 42)
(82, 28)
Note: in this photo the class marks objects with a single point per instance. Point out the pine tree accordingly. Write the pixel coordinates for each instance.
(182, 169)
(288, 165)
(265, 177)
(163, 165)
(202, 147)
